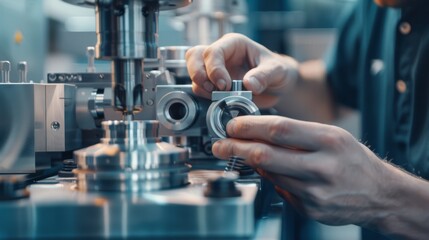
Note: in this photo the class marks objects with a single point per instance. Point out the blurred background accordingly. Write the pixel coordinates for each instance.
(52, 37)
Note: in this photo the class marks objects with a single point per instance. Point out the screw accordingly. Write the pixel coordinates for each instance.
(55, 125)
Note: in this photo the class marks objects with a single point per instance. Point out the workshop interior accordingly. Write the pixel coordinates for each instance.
(101, 135)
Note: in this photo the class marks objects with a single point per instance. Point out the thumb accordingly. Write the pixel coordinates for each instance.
(256, 80)
(271, 74)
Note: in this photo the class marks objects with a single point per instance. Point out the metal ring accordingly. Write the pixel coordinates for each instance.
(217, 110)
(167, 103)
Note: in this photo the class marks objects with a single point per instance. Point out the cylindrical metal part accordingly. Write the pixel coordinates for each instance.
(127, 84)
(127, 29)
(90, 53)
(5, 71)
(131, 158)
(22, 71)
(177, 110)
(222, 111)
(237, 85)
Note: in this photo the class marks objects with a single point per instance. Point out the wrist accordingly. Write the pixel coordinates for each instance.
(405, 205)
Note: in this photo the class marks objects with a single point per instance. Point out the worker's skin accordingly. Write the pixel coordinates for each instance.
(320, 169)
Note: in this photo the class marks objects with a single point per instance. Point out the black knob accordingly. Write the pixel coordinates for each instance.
(221, 188)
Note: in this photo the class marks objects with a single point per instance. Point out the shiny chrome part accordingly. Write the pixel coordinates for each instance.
(206, 21)
(45, 123)
(131, 158)
(126, 30)
(177, 110)
(57, 211)
(5, 71)
(220, 112)
(237, 85)
(22, 71)
(163, 4)
(127, 81)
(173, 59)
(90, 54)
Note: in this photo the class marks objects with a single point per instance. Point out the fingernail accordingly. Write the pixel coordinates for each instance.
(256, 85)
(208, 86)
(221, 84)
(230, 127)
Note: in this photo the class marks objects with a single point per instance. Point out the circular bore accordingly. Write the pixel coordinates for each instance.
(177, 111)
(222, 111)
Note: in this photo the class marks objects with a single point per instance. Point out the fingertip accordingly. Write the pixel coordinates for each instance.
(200, 91)
(230, 127)
(216, 148)
(221, 84)
(254, 85)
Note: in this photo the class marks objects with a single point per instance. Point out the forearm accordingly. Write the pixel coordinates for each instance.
(310, 98)
(406, 202)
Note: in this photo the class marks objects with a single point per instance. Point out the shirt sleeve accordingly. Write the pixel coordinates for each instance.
(343, 59)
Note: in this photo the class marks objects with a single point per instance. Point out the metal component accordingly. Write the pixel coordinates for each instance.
(27, 131)
(227, 105)
(206, 21)
(5, 71)
(90, 53)
(61, 126)
(13, 188)
(126, 30)
(127, 80)
(237, 164)
(222, 111)
(153, 215)
(173, 59)
(163, 4)
(131, 158)
(237, 85)
(179, 111)
(93, 80)
(223, 187)
(22, 70)
(55, 125)
(68, 166)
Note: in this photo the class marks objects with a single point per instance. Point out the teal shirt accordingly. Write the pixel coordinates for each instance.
(380, 66)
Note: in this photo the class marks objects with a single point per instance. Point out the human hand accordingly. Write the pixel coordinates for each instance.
(320, 169)
(235, 56)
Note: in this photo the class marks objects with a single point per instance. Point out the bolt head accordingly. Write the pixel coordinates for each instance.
(5, 65)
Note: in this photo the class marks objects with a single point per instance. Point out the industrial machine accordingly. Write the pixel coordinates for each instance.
(102, 133)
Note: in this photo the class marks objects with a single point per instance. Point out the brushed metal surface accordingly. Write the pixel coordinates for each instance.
(59, 211)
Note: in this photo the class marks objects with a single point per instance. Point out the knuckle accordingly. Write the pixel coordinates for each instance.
(194, 51)
(214, 71)
(334, 136)
(260, 156)
(278, 130)
(209, 52)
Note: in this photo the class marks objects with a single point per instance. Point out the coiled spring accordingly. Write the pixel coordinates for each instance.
(239, 165)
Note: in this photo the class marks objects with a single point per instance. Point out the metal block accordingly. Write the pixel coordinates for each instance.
(35, 118)
(59, 211)
(61, 128)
